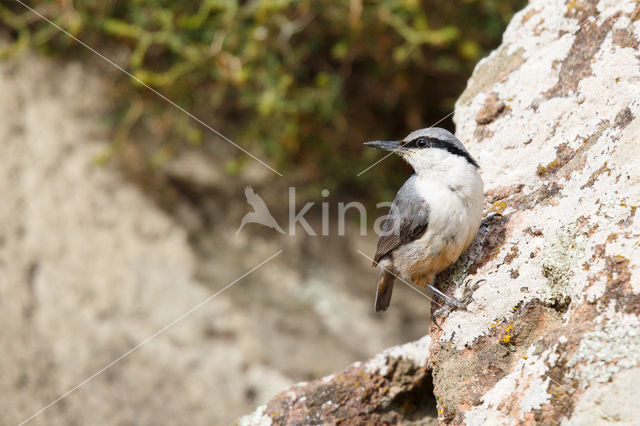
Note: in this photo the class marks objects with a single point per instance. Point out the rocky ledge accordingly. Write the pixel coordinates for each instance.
(553, 334)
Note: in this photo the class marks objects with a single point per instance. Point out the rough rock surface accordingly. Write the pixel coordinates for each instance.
(553, 335)
(394, 386)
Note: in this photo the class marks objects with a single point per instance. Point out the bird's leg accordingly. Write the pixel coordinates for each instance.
(450, 303)
(453, 303)
(448, 300)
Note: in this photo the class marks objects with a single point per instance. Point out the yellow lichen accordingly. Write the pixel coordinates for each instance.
(545, 170)
(499, 206)
(572, 6)
(621, 259)
(507, 334)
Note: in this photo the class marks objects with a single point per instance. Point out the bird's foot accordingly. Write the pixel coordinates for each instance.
(470, 289)
(438, 313)
(453, 304)
(490, 217)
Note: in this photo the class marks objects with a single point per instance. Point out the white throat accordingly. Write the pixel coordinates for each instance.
(437, 166)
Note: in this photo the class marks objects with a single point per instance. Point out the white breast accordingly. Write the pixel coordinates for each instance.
(455, 197)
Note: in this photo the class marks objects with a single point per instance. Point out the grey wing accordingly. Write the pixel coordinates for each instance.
(407, 220)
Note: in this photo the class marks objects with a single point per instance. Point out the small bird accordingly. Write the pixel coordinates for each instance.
(260, 213)
(435, 215)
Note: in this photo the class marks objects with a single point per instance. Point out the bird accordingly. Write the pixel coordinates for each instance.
(435, 215)
(260, 213)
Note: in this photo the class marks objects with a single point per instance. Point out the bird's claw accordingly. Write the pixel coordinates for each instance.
(453, 304)
(470, 289)
(436, 314)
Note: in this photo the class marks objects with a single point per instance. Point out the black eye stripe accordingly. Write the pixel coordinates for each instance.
(437, 143)
(422, 142)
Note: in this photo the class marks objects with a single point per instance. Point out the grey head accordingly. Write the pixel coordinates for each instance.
(423, 139)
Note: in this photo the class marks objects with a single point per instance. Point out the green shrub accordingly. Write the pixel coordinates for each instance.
(299, 83)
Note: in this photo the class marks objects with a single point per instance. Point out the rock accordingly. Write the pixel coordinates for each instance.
(491, 109)
(392, 387)
(553, 335)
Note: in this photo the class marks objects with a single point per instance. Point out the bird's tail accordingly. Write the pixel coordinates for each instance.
(385, 289)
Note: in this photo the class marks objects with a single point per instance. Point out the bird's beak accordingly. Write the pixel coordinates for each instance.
(396, 146)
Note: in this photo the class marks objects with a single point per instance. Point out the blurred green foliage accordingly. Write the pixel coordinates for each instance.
(299, 83)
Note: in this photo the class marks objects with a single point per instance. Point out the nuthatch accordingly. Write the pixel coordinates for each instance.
(434, 216)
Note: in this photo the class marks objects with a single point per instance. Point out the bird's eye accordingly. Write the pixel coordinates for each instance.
(421, 142)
